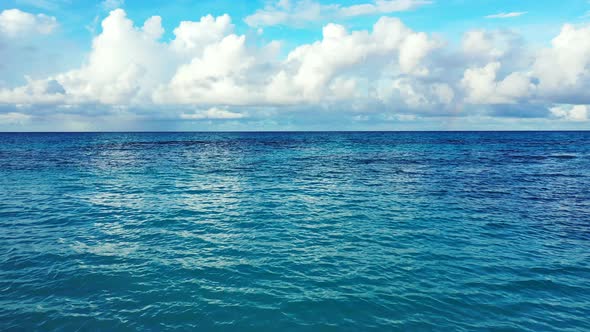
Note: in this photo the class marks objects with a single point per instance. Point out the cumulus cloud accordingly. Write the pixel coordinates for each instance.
(559, 74)
(387, 72)
(34, 92)
(192, 37)
(506, 15)
(482, 86)
(300, 12)
(16, 23)
(563, 71)
(208, 64)
(482, 46)
(321, 70)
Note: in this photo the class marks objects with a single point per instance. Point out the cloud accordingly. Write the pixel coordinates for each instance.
(578, 113)
(300, 12)
(318, 71)
(192, 37)
(287, 13)
(382, 7)
(484, 46)
(15, 23)
(506, 15)
(112, 4)
(14, 118)
(482, 86)
(559, 74)
(563, 71)
(213, 113)
(387, 72)
(207, 64)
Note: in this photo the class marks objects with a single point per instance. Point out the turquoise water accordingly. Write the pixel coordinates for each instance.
(295, 231)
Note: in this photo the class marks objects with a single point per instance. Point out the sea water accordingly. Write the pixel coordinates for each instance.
(361, 231)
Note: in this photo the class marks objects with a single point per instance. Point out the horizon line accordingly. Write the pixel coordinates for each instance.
(291, 131)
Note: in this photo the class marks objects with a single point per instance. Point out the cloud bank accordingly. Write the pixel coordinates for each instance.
(208, 72)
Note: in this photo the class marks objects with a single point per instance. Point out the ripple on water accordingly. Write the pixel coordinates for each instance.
(299, 231)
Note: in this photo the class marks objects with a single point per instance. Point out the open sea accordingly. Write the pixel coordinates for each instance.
(384, 231)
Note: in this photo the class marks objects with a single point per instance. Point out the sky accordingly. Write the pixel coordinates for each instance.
(221, 65)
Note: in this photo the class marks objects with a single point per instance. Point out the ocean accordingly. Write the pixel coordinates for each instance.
(334, 231)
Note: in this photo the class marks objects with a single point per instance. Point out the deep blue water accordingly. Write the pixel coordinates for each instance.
(295, 231)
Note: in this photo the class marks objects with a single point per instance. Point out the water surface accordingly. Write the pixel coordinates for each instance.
(295, 231)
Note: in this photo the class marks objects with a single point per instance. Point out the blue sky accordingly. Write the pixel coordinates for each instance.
(450, 17)
(294, 65)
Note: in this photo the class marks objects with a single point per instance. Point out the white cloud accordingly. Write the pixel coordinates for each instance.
(227, 71)
(390, 69)
(14, 118)
(300, 12)
(34, 92)
(563, 70)
(287, 13)
(310, 70)
(506, 15)
(411, 95)
(488, 45)
(557, 74)
(213, 113)
(125, 65)
(482, 86)
(578, 113)
(112, 4)
(15, 23)
(213, 76)
(192, 37)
